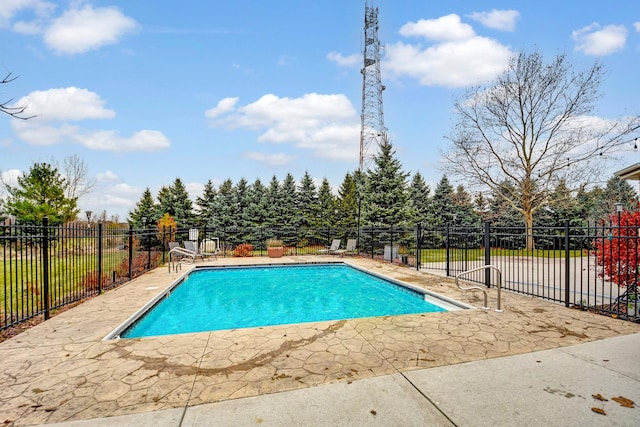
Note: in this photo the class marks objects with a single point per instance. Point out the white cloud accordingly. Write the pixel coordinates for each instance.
(326, 124)
(636, 25)
(445, 28)
(80, 30)
(55, 108)
(277, 159)
(107, 176)
(69, 103)
(599, 41)
(224, 106)
(10, 177)
(503, 20)
(194, 189)
(451, 64)
(457, 59)
(110, 140)
(345, 61)
(9, 9)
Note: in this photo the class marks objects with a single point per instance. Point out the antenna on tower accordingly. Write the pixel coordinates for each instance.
(372, 130)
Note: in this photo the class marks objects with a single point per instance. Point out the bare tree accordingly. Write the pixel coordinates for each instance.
(76, 171)
(14, 111)
(532, 127)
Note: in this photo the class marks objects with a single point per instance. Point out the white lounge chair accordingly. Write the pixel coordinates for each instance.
(351, 247)
(335, 245)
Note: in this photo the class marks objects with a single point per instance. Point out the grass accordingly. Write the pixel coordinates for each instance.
(440, 255)
(21, 279)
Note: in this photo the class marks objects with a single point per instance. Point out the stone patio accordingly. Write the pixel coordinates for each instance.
(62, 370)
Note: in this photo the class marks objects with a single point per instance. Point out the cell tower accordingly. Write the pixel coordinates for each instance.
(372, 130)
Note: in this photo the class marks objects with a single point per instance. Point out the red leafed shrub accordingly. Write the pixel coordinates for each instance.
(617, 252)
(243, 250)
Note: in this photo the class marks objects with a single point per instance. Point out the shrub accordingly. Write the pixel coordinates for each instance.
(274, 243)
(243, 250)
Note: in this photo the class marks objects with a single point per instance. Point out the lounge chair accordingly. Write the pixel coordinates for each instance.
(193, 247)
(351, 247)
(335, 245)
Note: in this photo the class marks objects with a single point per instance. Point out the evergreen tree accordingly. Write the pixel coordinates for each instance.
(243, 218)
(40, 193)
(465, 215)
(226, 206)
(175, 201)
(420, 195)
(481, 206)
(347, 204)
(274, 210)
(288, 203)
(501, 213)
(308, 208)
(444, 206)
(386, 200)
(206, 205)
(144, 212)
(258, 204)
(327, 205)
(616, 191)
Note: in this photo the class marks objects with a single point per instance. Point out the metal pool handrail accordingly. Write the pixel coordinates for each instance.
(473, 270)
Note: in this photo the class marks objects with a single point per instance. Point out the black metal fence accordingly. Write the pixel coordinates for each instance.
(593, 268)
(45, 268)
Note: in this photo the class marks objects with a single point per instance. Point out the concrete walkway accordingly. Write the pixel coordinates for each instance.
(528, 365)
(546, 388)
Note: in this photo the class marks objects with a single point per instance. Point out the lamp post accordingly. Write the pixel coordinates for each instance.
(619, 207)
(88, 214)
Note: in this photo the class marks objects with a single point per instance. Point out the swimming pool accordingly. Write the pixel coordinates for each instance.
(219, 298)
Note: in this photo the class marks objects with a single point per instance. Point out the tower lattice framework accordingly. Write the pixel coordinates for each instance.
(372, 130)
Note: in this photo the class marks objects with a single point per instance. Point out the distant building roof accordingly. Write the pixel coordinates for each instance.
(630, 172)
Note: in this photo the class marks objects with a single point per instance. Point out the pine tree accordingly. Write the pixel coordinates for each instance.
(308, 208)
(464, 212)
(420, 195)
(347, 203)
(386, 200)
(444, 206)
(258, 204)
(288, 202)
(243, 218)
(226, 205)
(206, 205)
(40, 193)
(274, 207)
(144, 211)
(182, 205)
(327, 205)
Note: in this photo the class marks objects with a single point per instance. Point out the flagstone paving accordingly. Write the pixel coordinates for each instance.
(62, 369)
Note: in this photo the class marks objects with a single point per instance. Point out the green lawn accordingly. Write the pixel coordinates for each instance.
(21, 277)
(440, 255)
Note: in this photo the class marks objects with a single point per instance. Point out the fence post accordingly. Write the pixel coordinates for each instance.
(130, 251)
(487, 253)
(567, 264)
(45, 265)
(372, 241)
(418, 246)
(99, 258)
(446, 246)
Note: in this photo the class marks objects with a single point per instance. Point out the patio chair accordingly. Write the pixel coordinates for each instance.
(192, 247)
(351, 247)
(335, 245)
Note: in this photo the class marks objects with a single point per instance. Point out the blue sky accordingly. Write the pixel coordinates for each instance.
(145, 92)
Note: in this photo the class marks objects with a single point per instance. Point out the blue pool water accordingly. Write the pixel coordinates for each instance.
(229, 298)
